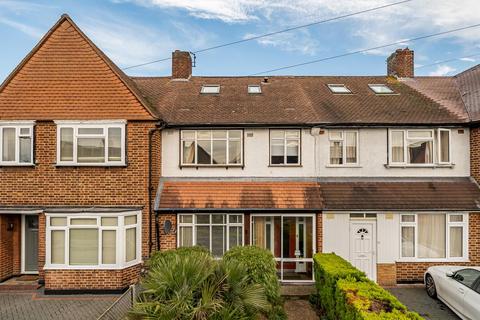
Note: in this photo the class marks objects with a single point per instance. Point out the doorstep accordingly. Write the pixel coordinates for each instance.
(20, 283)
(297, 290)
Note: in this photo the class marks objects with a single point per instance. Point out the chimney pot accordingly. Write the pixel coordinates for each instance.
(181, 65)
(400, 63)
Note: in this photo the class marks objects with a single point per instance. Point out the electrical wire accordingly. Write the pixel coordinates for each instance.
(275, 32)
(449, 60)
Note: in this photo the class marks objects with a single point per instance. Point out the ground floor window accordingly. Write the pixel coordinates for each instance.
(291, 238)
(93, 240)
(434, 236)
(216, 232)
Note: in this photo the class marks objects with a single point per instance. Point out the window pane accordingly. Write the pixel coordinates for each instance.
(56, 222)
(408, 218)
(292, 134)
(188, 135)
(83, 246)
(203, 236)
(351, 147)
(203, 218)
(130, 244)
(57, 243)
(234, 218)
(431, 236)
(90, 130)
(188, 152)
(130, 220)
(420, 151)
(235, 134)
(292, 151)
(336, 152)
(186, 236)
(186, 218)
(114, 144)
(218, 218)
(218, 240)
(336, 135)
(204, 152)
(277, 151)
(456, 242)
(234, 152)
(25, 149)
(397, 146)
(456, 218)
(109, 247)
(408, 242)
(204, 134)
(8, 140)
(277, 134)
(467, 276)
(420, 134)
(83, 221)
(219, 152)
(235, 237)
(91, 150)
(110, 221)
(24, 131)
(66, 144)
(219, 134)
(444, 146)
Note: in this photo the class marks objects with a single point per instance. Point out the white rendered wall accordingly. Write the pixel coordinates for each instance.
(336, 234)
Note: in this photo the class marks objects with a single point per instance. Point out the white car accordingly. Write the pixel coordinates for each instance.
(456, 286)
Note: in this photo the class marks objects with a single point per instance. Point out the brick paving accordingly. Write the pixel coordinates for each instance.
(36, 306)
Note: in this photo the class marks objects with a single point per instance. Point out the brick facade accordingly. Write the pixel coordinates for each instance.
(475, 153)
(400, 63)
(181, 65)
(386, 274)
(9, 245)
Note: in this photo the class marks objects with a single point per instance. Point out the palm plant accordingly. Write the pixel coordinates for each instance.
(196, 286)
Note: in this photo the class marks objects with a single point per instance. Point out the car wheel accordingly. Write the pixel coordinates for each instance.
(430, 286)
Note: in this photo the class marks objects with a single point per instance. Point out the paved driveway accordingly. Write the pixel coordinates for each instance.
(36, 306)
(416, 299)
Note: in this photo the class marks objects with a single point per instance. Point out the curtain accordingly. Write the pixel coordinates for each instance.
(456, 242)
(114, 144)
(109, 246)
(431, 236)
(445, 146)
(351, 147)
(57, 252)
(259, 232)
(8, 152)
(91, 150)
(408, 242)
(130, 244)
(188, 152)
(336, 156)
(66, 144)
(186, 236)
(83, 246)
(397, 146)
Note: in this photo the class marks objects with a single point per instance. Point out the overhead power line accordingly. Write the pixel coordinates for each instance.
(276, 32)
(448, 60)
(350, 53)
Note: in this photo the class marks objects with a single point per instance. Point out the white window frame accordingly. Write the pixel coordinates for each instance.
(204, 89)
(439, 130)
(17, 125)
(373, 85)
(227, 224)
(436, 147)
(227, 156)
(120, 239)
(105, 125)
(285, 140)
(252, 86)
(344, 148)
(332, 87)
(464, 224)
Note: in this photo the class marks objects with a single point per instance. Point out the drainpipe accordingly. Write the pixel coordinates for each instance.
(159, 127)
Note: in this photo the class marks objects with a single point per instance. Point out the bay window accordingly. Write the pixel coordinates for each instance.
(434, 236)
(285, 147)
(16, 143)
(90, 143)
(343, 147)
(93, 240)
(211, 147)
(216, 232)
(418, 146)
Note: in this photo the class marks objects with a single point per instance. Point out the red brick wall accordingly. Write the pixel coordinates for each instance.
(386, 274)
(181, 65)
(400, 63)
(319, 232)
(413, 272)
(168, 241)
(9, 246)
(475, 153)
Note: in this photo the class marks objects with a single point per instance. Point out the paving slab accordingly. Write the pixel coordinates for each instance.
(297, 309)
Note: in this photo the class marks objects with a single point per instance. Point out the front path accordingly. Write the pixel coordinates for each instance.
(299, 309)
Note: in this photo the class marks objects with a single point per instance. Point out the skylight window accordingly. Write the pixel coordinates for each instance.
(210, 89)
(339, 88)
(380, 88)
(255, 89)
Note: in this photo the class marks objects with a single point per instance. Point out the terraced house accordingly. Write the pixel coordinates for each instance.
(99, 169)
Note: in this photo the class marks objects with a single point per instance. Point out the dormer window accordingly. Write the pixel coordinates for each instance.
(381, 89)
(210, 89)
(254, 89)
(339, 88)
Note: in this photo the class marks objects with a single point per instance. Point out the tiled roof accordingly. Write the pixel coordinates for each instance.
(178, 195)
(292, 100)
(67, 77)
(432, 194)
(469, 86)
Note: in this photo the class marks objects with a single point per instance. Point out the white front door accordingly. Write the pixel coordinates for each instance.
(363, 247)
(301, 242)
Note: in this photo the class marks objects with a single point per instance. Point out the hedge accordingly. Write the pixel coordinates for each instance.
(262, 270)
(345, 292)
(182, 251)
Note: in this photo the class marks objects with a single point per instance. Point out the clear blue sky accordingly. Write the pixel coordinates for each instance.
(135, 31)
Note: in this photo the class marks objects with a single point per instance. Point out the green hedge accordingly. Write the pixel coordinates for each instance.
(344, 292)
(158, 256)
(262, 270)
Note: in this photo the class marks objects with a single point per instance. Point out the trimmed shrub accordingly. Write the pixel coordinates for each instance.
(344, 292)
(159, 256)
(261, 267)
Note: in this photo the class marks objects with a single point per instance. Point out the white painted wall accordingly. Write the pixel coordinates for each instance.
(336, 234)
(315, 158)
(388, 237)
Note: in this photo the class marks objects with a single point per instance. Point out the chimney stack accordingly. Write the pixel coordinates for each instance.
(400, 63)
(181, 65)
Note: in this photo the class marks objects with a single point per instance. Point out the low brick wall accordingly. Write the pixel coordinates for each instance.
(386, 274)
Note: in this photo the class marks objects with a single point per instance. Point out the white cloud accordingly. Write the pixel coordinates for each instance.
(300, 41)
(467, 59)
(27, 29)
(442, 70)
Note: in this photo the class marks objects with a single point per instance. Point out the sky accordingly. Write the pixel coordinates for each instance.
(132, 32)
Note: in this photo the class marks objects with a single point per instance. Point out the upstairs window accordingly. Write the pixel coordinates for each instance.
(254, 89)
(343, 147)
(91, 144)
(380, 89)
(210, 89)
(416, 147)
(339, 88)
(211, 147)
(16, 143)
(285, 147)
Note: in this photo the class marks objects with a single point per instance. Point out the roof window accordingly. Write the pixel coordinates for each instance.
(254, 89)
(380, 88)
(210, 89)
(339, 88)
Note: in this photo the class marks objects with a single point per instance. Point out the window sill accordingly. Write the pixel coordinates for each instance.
(451, 260)
(7, 165)
(104, 267)
(285, 165)
(241, 166)
(431, 166)
(343, 166)
(59, 165)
